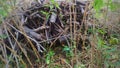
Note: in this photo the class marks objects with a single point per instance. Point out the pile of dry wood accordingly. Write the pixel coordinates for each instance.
(46, 23)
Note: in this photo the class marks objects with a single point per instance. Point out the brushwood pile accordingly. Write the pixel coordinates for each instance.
(44, 25)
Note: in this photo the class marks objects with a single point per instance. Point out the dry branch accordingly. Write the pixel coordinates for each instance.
(42, 28)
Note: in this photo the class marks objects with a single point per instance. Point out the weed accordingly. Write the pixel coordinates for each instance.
(103, 53)
(68, 51)
(49, 56)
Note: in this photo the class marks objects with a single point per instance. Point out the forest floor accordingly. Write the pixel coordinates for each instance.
(97, 45)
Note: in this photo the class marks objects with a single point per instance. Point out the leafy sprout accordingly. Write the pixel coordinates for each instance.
(49, 55)
(68, 51)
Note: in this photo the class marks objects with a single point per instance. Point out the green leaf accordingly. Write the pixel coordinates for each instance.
(43, 12)
(51, 7)
(52, 1)
(66, 48)
(3, 36)
(113, 41)
(101, 31)
(49, 56)
(51, 53)
(98, 4)
(57, 5)
(48, 60)
(46, 14)
(3, 13)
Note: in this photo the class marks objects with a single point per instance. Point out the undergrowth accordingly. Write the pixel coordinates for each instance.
(102, 51)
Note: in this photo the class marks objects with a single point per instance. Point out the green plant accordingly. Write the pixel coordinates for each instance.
(113, 41)
(98, 4)
(68, 51)
(3, 36)
(5, 8)
(47, 14)
(107, 48)
(54, 3)
(79, 66)
(49, 56)
(101, 7)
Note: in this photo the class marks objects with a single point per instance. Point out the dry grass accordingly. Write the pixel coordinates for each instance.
(24, 53)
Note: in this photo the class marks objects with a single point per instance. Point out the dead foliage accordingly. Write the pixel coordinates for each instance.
(43, 25)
